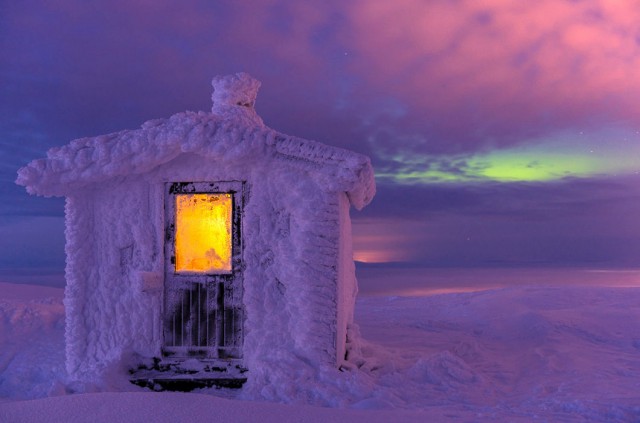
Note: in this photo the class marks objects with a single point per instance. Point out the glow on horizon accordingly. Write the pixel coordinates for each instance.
(377, 240)
(542, 161)
(366, 252)
(372, 256)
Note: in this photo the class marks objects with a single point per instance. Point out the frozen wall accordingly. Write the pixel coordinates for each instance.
(296, 309)
(347, 288)
(112, 237)
(290, 238)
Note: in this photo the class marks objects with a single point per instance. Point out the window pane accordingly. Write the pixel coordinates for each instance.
(203, 233)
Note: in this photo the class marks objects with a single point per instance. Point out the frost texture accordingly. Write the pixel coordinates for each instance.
(232, 91)
(299, 279)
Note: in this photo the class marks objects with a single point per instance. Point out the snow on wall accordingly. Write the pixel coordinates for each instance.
(109, 240)
(79, 266)
(347, 286)
(295, 309)
(299, 278)
(290, 231)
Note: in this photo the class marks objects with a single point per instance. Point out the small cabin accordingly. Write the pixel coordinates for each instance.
(206, 246)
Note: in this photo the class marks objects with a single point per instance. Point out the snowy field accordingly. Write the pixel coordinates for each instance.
(523, 353)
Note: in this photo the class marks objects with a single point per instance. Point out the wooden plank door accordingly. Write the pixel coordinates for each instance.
(203, 311)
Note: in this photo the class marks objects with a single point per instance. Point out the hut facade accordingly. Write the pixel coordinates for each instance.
(207, 245)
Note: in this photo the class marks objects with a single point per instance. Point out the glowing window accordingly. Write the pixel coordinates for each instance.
(203, 233)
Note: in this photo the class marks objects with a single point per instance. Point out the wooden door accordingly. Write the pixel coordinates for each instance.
(203, 311)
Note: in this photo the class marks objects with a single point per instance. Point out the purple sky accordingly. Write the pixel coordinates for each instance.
(503, 133)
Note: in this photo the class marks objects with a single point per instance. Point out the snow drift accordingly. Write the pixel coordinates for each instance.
(517, 354)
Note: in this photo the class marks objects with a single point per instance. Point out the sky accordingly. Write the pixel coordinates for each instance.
(502, 133)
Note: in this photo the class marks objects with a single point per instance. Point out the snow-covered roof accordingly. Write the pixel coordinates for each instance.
(232, 130)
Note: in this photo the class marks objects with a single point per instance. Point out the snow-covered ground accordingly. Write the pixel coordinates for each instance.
(522, 353)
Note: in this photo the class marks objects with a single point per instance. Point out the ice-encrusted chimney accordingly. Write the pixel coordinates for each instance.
(235, 96)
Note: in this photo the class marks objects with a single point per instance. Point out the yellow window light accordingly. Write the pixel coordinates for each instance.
(203, 233)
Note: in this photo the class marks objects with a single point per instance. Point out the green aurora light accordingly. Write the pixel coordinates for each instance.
(533, 163)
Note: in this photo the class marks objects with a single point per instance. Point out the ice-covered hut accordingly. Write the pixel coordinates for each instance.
(208, 242)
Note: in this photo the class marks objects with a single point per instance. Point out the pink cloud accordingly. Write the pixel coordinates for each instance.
(525, 61)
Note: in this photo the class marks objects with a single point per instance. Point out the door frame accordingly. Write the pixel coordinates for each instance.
(223, 290)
